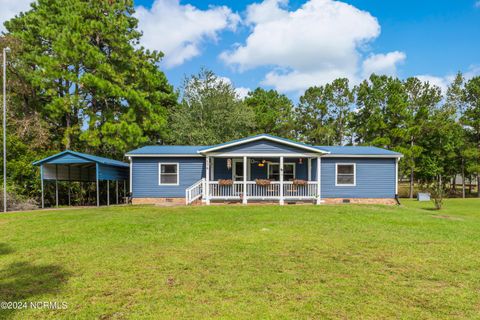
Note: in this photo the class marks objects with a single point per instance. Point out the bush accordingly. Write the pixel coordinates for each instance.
(16, 202)
(437, 193)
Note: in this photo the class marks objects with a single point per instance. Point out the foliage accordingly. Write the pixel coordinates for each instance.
(437, 193)
(210, 112)
(91, 82)
(273, 112)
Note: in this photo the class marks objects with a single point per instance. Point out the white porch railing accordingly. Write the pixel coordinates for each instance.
(195, 191)
(262, 192)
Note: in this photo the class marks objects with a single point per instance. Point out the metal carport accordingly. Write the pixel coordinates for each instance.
(75, 166)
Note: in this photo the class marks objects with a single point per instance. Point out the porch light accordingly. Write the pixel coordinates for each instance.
(300, 161)
(229, 164)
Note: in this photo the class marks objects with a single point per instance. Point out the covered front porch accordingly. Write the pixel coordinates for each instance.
(262, 178)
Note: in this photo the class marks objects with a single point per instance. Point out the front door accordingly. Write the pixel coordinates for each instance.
(237, 170)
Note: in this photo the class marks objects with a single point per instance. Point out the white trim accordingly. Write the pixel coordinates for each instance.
(354, 174)
(281, 172)
(262, 155)
(362, 156)
(260, 137)
(245, 173)
(131, 174)
(319, 178)
(160, 155)
(207, 181)
(287, 155)
(396, 177)
(235, 161)
(160, 173)
(278, 163)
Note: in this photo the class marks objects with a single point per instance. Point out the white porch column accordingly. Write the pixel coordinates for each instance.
(282, 201)
(245, 201)
(207, 180)
(319, 174)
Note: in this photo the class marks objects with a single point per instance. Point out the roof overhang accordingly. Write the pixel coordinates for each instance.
(169, 155)
(264, 137)
(363, 156)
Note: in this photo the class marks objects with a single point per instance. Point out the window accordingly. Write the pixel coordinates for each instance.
(168, 174)
(345, 174)
(288, 171)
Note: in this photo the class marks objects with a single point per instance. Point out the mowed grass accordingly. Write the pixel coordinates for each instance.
(345, 261)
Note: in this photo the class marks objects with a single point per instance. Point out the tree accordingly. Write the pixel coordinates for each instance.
(209, 112)
(312, 117)
(471, 120)
(273, 112)
(91, 82)
(339, 99)
(422, 98)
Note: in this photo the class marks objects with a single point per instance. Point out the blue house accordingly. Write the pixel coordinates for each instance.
(263, 168)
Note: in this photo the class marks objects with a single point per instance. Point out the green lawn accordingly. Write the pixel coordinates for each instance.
(346, 261)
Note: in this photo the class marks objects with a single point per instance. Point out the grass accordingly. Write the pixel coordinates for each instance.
(347, 261)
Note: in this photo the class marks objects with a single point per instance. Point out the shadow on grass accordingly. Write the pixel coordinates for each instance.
(23, 281)
(5, 249)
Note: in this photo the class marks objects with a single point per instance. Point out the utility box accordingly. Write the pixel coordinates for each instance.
(423, 196)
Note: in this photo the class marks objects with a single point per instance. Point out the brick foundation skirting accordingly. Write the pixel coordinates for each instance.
(160, 201)
(388, 201)
(181, 201)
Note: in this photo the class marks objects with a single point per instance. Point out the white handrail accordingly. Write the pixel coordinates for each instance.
(195, 191)
(235, 191)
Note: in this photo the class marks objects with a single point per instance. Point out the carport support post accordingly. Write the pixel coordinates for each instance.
(96, 181)
(43, 194)
(116, 191)
(56, 185)
(125, 191)
(69, 186)
(108, 192)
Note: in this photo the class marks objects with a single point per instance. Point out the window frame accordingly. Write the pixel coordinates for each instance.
(160, 173)
(285, 163)
(354, 184)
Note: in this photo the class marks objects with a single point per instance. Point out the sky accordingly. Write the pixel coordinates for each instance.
(292, 45)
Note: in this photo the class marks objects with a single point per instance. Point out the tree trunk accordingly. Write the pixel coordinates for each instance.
(411, 182)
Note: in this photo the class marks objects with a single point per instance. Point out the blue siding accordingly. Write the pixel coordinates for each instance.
(112, 173)
(375, 178)
(263, 146)
(145, 177)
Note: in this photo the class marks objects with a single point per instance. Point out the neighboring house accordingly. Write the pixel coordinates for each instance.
(289, 171)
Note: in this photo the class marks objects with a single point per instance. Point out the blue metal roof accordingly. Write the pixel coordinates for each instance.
(332, 150)
(64, 157)
(358, 150)
(180, 150)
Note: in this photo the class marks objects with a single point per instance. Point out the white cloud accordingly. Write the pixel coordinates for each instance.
(444, 81)
(179, 30)
(318, 42)
(382, 63)
(11, 8)
(241, 92)
(477, 4)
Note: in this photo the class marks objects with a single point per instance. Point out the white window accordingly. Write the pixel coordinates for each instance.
(168, 174)
(345, 174)
(288, 171)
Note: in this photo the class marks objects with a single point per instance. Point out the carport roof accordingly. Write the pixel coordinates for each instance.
(72, 157)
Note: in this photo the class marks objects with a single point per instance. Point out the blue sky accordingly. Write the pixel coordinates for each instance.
(290, 45)
(438, 39)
